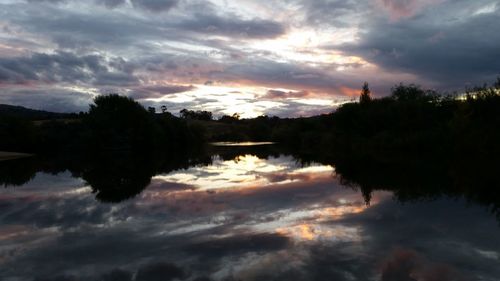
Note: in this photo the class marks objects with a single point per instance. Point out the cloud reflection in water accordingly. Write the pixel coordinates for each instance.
(248, 218)
(246, 171)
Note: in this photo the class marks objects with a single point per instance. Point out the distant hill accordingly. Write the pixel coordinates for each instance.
(32, 114)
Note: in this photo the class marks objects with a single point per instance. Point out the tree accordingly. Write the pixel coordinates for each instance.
(412, 92)
(163, 109)
(196, 115)
(365, 94)
(117, 122)
(496, 85)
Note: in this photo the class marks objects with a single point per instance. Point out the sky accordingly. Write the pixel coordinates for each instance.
(286, 58)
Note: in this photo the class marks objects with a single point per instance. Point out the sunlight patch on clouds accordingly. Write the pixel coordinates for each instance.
(314, 101)
(224, 99)
(302, 45)
(487, 9)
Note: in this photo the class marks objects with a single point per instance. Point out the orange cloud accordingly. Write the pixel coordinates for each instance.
(405, 8)
(350, 92)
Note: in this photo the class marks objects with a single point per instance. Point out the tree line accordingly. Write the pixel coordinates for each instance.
(113, 123)
(409, 120)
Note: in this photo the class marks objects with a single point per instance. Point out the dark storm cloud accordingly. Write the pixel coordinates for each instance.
(58, 278)
(108, 3)
(117, 275)
(62, 67)
(337, 13)
(111, 3)
(160, 271)
(47, 1)
(435, 46)
(233, 26)
(155, 5)
(284, 74)
(92, 29)
(237, 244)
(87, 31)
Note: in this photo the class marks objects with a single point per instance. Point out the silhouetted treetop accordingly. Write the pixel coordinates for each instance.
(411, 92)
(365, 94)
(196, 115)
(119, 122)
(496, 85)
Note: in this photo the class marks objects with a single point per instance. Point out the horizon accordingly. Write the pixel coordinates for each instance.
(275, 58)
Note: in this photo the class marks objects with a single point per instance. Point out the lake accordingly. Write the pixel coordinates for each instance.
(235, 213)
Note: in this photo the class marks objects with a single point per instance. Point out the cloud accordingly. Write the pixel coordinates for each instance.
(277, 94)
(233, 26)
(62, 66)
(59, 278)
(408, 265)
(263, 242)
(155, 6)
(117, 275)
(400, 266)
(266, 72)
(223, 234)
(159, 91)
(338, 13)
(47, 1)
(47, 98)
(435, 52)
(383, 42)
(161, 271)
(405, 8)
(111, 3)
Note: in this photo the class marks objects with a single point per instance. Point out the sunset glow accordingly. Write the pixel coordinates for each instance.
(283, 58)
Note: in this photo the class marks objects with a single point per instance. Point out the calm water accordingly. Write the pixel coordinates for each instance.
(241, 215)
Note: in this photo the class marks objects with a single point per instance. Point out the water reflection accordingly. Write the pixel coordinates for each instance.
(230, 214)
(246, 171)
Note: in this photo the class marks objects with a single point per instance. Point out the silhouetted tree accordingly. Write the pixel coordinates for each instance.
(411, 92)
(118, 122)
(116, 177)
(365, 94)
(196, 115)
(496, 85)
(229, 119)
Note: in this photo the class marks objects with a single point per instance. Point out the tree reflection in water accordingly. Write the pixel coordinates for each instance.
(118, 176)
(281, 218)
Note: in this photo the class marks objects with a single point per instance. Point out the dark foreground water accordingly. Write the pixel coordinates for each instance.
(234, 217)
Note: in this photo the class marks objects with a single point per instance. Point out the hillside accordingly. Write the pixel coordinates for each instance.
(32, 114)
